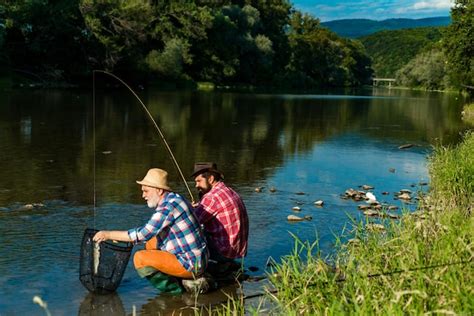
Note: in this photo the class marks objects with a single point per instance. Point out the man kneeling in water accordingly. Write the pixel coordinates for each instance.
(175, 246)
(224, 216)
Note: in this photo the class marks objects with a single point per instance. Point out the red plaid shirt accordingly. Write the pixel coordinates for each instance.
(224, 216)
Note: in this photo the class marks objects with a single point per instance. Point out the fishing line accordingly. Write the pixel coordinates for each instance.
(388, 273)
(93, 140)
(156, 126)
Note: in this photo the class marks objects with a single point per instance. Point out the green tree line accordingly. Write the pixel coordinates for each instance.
(430, 58)
(226, 42)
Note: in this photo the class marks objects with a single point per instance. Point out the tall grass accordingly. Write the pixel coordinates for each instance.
(421, 264)
(452, 175)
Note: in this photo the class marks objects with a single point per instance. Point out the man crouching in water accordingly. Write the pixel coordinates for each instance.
(223, 214)
(175, 246)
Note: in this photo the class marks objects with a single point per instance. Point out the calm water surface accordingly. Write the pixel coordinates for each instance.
(319, 144)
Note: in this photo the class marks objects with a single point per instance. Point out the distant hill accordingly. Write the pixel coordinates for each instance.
(354, 28)
(391, 50)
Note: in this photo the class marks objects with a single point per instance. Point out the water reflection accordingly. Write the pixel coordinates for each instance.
(100, 305)
(188, 304)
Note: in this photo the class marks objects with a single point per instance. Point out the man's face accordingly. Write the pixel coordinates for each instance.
(151, 196)
(203, 184)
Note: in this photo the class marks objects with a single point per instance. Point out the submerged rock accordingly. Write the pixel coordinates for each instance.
(392, 170)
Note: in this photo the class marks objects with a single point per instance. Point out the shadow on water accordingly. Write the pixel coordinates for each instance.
(316, 144)
(98, 305)
(162, 304)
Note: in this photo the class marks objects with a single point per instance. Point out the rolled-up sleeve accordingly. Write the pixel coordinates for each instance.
(160, 220)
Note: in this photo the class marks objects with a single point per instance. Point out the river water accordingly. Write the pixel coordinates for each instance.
(54, 156)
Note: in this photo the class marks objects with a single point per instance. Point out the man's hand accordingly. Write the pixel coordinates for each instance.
(101, 236)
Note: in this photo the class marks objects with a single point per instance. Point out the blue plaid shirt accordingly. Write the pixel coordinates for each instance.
(177, 231)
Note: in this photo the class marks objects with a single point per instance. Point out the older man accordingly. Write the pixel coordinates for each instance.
(222, 213)
(175, 245)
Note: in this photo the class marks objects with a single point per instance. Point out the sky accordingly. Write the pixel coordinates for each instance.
(327, 10)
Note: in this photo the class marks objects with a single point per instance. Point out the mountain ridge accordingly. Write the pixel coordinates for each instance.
(355, 28)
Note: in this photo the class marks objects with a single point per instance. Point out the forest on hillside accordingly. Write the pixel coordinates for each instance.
(391, 50)
(228, 42)
(432, 58)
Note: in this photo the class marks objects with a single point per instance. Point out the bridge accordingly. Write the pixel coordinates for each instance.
(376, 81)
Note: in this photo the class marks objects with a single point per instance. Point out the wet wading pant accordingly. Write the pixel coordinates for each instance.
(161, 268)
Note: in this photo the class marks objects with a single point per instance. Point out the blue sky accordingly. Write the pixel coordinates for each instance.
(327, 10)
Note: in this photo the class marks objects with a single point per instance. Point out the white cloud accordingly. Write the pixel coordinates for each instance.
(433, 5)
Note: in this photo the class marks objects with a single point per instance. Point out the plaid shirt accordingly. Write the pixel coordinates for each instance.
(224, 216)
(177, 232)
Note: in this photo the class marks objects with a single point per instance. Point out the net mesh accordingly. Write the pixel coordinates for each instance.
(102, 265)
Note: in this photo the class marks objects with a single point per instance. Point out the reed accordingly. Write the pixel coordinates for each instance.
(420, 264)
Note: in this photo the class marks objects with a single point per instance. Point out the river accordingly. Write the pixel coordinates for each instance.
(62, 153)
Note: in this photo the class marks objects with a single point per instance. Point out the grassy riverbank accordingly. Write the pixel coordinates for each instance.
(419, 264)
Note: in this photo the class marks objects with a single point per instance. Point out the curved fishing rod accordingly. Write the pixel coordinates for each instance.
(154, 123)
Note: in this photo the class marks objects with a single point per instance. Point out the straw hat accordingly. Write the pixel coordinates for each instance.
(156, 178)
(201, 167)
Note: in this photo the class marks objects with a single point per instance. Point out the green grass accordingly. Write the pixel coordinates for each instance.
(420, 264)
(468, 113)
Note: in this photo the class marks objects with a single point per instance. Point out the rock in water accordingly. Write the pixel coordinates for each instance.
(319, 203)
(294, 218)
(406, 146)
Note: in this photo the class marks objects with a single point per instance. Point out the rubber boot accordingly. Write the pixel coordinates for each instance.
(163, 282)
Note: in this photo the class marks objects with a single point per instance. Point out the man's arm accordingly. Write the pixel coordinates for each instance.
(119, 235)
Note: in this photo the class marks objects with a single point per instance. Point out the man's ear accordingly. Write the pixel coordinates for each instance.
(211, 179)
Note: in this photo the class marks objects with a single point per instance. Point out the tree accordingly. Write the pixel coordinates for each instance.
(235, 49)
(427, 70)
(459, 44)
(120, 26)
(43, 37)
(319, 57)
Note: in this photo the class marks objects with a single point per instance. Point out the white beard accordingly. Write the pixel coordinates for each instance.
(153, 202)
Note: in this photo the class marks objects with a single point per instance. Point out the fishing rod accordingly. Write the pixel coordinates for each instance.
(154, 123)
